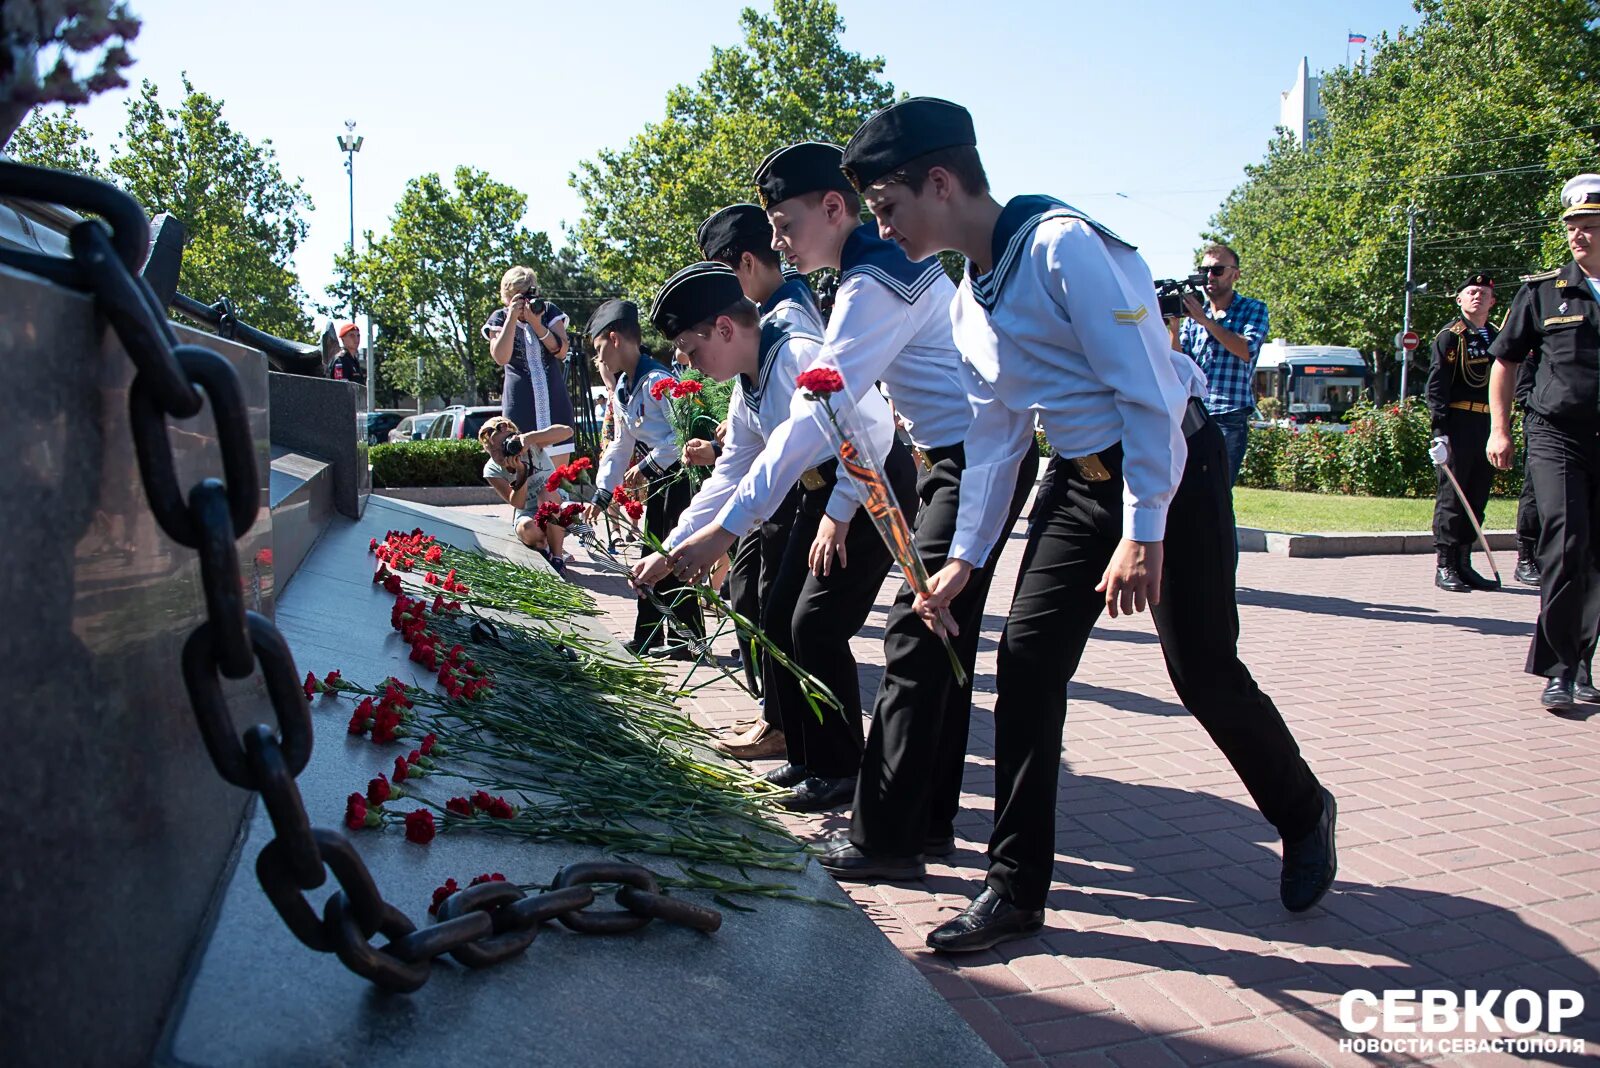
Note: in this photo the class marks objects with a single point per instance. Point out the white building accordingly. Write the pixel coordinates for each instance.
(1301, 104)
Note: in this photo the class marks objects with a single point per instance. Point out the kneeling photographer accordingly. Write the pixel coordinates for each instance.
(516, 468)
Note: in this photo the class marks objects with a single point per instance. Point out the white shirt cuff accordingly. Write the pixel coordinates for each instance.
(1142, 522)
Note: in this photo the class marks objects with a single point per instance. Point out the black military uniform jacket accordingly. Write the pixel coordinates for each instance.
(1459, 377)
(1556, 321)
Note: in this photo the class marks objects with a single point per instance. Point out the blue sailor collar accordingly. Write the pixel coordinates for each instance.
(1018, 220)
(774, 335)
(647, 366)
(793, 288)
(866, 253)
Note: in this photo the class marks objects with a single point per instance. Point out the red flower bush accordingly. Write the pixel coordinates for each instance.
(419, 827)
(820, 380)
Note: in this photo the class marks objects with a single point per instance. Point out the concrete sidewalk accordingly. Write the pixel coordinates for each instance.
(1469, 831)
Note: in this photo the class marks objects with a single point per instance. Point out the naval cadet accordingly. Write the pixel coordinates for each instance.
(1055, 320)
(1458, 404)
(1555, 319)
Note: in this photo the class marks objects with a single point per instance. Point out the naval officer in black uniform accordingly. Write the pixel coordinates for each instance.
(1555, 319)
(1458, 402)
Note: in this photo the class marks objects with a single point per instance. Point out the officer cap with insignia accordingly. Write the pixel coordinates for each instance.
(699, 292)
(613, 314)
(809, 167)
(1581, 196)
(902, 132)
(1479, 278)
(740, 227)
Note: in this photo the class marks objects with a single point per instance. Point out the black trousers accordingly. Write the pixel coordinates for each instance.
(1564, 466)
(1074, 530)
(667, 497)
(1527, 510)
(812, 619)
(1469, 434)
(775, 530)
(744, 591)
(910, 786)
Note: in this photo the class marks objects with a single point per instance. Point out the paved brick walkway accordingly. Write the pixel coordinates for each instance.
(1469, 831)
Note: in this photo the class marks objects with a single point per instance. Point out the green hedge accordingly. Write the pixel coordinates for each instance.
(445, 462)
(1384, 453)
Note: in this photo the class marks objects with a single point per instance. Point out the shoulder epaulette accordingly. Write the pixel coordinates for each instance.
(1542, 276)
(1457, 327)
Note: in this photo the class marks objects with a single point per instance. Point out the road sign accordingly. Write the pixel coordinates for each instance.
(1407, 340)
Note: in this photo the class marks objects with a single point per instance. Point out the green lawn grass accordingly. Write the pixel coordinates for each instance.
(1300, 513)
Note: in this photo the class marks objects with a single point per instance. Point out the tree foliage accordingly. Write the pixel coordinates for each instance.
(1477, 115)
(432, 281)
(56, 139)
(790, 81)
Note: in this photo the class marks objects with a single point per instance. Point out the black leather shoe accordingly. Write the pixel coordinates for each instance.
(843, 860)
(939, 847)
(1586, 693)
(787, 775)
(1558, 694)
(1447, 578)
(816, 794)
(988, 921)
(1472, 578)
(1527, 571)
(1311, 861)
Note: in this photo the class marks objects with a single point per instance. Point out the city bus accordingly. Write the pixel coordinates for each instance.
(1313, 383)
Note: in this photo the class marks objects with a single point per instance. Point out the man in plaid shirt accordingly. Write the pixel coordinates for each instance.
(1225, 340)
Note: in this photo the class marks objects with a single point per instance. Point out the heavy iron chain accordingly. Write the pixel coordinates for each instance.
(479, 926)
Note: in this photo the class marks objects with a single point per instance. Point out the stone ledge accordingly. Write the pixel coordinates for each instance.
(441, 496)
(1376, 543)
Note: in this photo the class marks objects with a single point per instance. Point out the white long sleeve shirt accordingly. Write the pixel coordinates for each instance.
(890, 324)
(793, 303)
(763, 414)
(640, 419)
(1065, 330)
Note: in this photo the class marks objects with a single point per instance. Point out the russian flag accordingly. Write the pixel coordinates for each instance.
(1358, 38)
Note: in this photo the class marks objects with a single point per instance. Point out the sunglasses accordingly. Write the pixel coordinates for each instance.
(1217, 268)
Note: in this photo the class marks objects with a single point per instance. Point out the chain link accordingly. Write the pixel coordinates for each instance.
(479, 926)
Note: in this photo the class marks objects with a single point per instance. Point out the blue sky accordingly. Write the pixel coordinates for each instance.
(1160, 102)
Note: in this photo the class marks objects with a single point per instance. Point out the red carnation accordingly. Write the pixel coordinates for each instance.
(431, 579)
(392, 584)
(419, 826)
(633, 508)
(433, 555)
(378, 790)
(820, 380)
(429, 740)
(355, 812)
(487, 877)
(361, 718)
(661, 388)
(372, 546)
(332, 680)
(545, 513)
(553, 483)
(384, 725)
(459, 806)
(687, 388)
(580, 465)
(570, 514)
(401, 769)
(482, 800)
(312, 686)
(440, 893)
(501, 809)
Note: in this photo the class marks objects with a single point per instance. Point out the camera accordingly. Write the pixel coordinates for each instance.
(1171, 291)
(535, 305)
(511, 446)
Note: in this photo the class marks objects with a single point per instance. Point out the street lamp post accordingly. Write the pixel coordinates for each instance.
(350, 144)
(1411, 287)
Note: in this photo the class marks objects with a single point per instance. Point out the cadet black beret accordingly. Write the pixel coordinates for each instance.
(809, 167)
(902, 132)
(612, 314)
(738, 226)
(693, 295)
(1480, 279)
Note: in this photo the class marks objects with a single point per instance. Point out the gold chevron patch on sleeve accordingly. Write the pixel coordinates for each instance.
(1130, 316)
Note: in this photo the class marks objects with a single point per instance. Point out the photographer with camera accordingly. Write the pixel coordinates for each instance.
(516, 460)
(533, 354)
(1224, 336)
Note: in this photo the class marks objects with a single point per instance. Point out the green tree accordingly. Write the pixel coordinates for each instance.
(243, 217)
(433, 280)
(1476, 116)
(57, 140)
(790, 81)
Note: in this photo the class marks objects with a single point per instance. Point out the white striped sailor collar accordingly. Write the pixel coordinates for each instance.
(647, 366)
(774, 335)
(1018, 219)
(866, 253)
(793, 288)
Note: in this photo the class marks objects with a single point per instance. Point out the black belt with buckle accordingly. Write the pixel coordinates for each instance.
(820, 477)
(1092, 469)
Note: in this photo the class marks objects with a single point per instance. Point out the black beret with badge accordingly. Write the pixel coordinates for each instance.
(1480, 278)
(809, 167)
(612, 314)
(901, 132)
(738, 227)
(699, 292)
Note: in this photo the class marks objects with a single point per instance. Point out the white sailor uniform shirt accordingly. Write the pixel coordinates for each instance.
(792, 303)
(641, 419)
(1065, 329)
(760, 412)
(890, 324)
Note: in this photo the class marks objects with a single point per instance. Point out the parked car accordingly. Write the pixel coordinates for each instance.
(377, 424)
(458, 421)
(413, 427)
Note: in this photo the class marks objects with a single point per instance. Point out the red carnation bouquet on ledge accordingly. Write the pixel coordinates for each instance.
(842, 423)
(568, 477)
